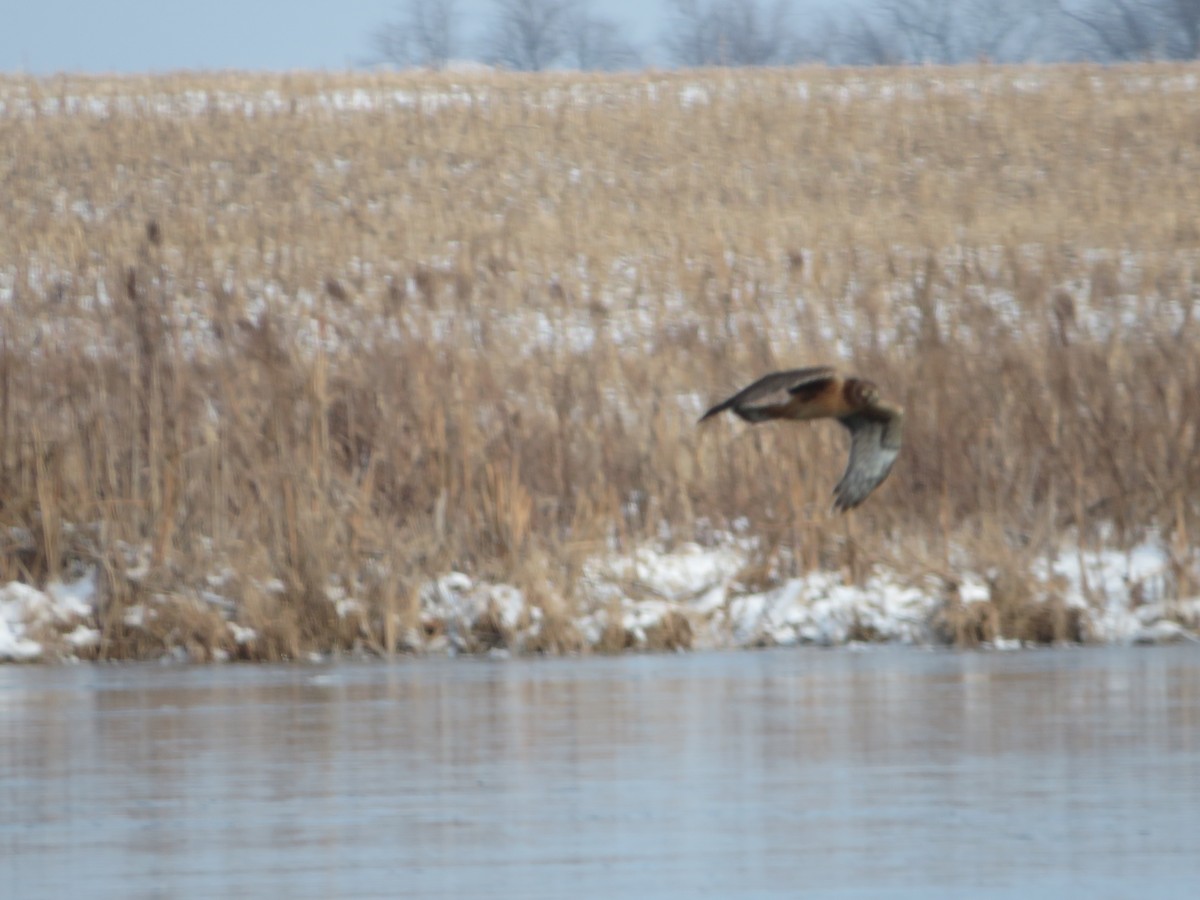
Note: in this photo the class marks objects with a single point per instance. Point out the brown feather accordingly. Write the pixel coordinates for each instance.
(771, 395)
(819, 392)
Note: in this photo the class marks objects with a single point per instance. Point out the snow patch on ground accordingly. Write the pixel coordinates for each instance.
(821, 609)
(1128, 596)
(63, 607)
(687, 596)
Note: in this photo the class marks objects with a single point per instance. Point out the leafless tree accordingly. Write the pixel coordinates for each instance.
(927, 29)
(730, 33)
(1006, 30)
(861, 41)
(1185, 15)
(954, 31)
(425, 35)
(1132, 29)
(529, 35)
(690, 40)
(389, 44)
(594, 42)
(1110, 29)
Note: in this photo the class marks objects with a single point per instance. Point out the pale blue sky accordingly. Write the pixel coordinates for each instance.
(46, 36)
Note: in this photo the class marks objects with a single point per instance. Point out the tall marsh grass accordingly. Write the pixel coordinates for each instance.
(264, 336)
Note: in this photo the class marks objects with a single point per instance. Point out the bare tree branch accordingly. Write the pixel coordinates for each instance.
(690, 40)
(1185, 15)
(389, 44)
(1006, 31)
(925, 27)
(754, 35)
(594, 42)
(426, 35)
(1134, 29)
(731, 33)
(1111, 29)
(529, 35)
(955, 31)
(943, 31)
(862, 42)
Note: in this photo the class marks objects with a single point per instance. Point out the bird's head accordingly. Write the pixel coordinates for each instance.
(861, 392)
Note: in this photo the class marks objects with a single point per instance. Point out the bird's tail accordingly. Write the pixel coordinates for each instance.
(719, 408)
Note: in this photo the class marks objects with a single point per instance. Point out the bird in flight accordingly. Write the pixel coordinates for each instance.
(820, 392)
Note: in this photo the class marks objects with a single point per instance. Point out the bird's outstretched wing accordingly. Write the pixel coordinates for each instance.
(875, 437)
(774, 390)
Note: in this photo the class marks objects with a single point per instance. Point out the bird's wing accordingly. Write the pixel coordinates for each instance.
(875, 438)
(775, 389)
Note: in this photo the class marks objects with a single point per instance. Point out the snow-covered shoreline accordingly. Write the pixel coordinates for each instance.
(687, 597)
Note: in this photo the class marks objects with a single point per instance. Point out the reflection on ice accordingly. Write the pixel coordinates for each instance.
(896, 772)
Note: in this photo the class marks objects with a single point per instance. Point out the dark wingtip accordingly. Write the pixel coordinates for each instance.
(843, 504)
(719, 408)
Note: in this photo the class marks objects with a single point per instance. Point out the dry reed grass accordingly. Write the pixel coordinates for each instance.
(467, 322)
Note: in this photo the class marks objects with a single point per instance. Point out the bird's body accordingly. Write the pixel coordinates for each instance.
(821, 392)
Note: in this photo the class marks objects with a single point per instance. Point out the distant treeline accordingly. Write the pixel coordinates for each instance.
(531, 35)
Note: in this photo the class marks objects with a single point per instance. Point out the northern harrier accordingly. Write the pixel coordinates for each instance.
(820, 392)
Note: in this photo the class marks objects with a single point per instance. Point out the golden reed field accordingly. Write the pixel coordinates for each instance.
(278, 350)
